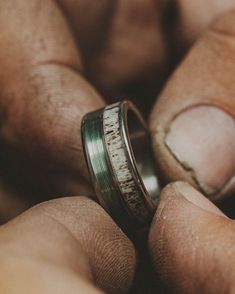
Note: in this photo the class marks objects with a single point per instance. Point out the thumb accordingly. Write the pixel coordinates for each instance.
(193, 124)
(192, 243)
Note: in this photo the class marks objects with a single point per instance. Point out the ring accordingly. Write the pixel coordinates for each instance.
(120, 160)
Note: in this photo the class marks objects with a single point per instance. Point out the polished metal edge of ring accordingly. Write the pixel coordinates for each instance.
(112, 165)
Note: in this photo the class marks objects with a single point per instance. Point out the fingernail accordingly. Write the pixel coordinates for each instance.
(195, 197)
(202, 139)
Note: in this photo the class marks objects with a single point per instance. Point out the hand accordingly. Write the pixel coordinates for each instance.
(60, 247)
(192, 243)
(44, 92)
(67, 245)
(193, 122)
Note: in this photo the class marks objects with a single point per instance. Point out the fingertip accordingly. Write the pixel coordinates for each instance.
(169, 203)
(179, 197)
(180, 206)
(77, 226)
(185, 231)
(191, 194)
(192, 123)
(111, 254)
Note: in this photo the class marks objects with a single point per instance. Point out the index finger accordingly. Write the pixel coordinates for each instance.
(43, 95)
(60, 247)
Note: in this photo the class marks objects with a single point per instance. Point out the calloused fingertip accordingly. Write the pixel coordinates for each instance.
(174, 200)
(196, 198)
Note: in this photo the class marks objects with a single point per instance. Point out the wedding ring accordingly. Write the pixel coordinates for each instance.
(120, 160)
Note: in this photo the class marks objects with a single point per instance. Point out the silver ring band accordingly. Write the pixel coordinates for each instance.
(118, 152)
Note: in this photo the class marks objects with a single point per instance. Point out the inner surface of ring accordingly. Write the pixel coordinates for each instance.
(143, 154)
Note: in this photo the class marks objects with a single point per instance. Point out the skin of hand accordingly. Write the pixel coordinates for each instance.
(60, 60)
